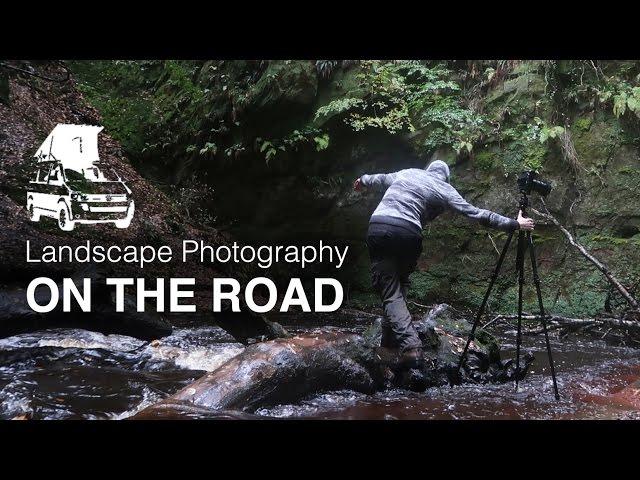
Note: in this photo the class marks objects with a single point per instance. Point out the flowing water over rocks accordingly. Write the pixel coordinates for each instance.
(73, 373)
(590, 373)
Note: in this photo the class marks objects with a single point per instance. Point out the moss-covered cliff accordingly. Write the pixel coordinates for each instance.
(280, 143)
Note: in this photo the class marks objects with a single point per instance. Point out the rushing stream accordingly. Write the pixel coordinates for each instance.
(59, 374)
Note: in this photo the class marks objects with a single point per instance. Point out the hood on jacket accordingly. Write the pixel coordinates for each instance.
(440, 170)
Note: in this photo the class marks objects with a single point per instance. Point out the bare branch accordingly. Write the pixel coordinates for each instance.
(494, 244)
(599, 265)
(617, 323)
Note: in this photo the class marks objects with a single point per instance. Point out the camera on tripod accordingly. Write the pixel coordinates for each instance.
(527, 183)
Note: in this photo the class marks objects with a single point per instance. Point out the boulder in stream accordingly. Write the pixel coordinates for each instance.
(286, 370)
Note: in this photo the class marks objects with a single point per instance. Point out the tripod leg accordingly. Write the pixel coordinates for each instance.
(484, 300)
(520, 269)
(536, 281)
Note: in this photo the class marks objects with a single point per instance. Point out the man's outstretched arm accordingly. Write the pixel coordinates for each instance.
(380, 181)
(487, 217)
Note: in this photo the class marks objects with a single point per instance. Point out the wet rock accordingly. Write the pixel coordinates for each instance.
(285, 370)
(444, 332)
(279, 371)
(247, 327)
(207, 359)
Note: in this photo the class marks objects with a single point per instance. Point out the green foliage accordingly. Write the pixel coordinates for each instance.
(426, 285)
(268, 148)
(177, 104)
(322, 142)
(448, 123)
(526, 147)
(338, 106)
(523, 151)
(326, 67)
(178, 92)
(403, 96)
(234, 150)
(386, 96)
(209, 148)
(113, 88)
(609, 240)
(545, 132)
(505, 116)
(627, 97)
(293, 142)
(620, 89)
(146, 105)
(380, 101)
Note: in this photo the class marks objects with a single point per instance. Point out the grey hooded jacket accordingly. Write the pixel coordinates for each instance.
(415, 196)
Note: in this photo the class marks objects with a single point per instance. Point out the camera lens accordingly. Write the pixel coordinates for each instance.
(527, 183)
(542, 188)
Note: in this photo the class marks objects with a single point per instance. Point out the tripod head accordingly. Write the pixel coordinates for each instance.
(528, 183)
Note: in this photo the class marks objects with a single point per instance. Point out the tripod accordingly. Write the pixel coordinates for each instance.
(525, 241)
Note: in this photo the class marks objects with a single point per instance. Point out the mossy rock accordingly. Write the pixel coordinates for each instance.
(514, 90)
(583, 124)
(455, 326)
(486, 160)
(596, 145)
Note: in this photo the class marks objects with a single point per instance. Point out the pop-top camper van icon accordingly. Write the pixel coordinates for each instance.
(73, 186)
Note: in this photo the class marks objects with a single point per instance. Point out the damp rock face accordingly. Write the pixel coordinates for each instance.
(286, 370)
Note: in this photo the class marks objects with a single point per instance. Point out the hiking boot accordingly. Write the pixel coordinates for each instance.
(413, 379)
(412, 358)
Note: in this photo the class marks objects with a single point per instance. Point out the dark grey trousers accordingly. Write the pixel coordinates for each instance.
(394, 252)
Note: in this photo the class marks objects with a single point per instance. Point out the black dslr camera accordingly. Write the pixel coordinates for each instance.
(527, 183)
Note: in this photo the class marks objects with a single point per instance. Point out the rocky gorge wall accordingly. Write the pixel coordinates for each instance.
(269, 150)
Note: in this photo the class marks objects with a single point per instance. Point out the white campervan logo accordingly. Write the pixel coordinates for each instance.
(73, 186)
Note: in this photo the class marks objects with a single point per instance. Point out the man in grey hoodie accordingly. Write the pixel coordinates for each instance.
(413, 197)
